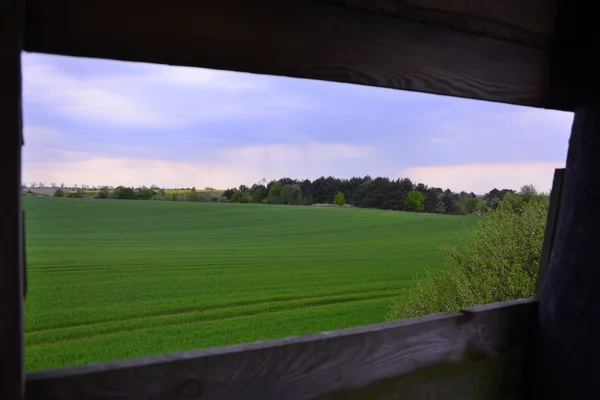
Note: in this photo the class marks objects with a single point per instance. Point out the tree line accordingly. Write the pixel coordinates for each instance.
(139, 193)
(366, 192)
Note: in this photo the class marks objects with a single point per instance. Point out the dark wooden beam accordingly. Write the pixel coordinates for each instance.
(574, 79)
(11, 274)
(483, 348)
(298, 38)
(570, 302)
(530, 23)
(550, 230)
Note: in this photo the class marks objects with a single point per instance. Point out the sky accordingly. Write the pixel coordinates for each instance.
(102, 122)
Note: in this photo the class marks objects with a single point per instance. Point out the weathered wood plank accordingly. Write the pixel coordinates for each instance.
(297, 38)
(491, 379)
(306, 367)
(11, 289)
(570, 301)
(550, 230)
(529, 23)
(497, 365)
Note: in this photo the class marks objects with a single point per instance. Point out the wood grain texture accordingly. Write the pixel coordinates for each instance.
(550, 230)
(570, 302)
(297, 38)
(312, 366)
(11, 289)
(529, 23)
(497, 364)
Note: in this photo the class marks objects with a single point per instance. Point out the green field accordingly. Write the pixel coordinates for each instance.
(168, 191)
(113, 279)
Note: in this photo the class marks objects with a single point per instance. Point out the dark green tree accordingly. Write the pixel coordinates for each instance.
(291, 194)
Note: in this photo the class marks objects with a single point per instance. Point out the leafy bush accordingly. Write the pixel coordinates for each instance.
(339, 199)
(415, 201)
(275, 200)
(103, 193)
(240, 196)
(192, 195)
(145, 193)
(77, 194)
(498, 262)
(125, 193)
(59, 193)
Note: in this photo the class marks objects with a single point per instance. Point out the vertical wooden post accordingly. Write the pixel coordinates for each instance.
(569, 314)
(11, 274)
(553, 208)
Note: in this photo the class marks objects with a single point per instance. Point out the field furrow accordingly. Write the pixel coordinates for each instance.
(113, 279)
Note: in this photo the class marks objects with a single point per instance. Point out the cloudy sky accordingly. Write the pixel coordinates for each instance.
(102, 122)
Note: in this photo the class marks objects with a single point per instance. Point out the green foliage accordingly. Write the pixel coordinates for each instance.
(478, 206)
(103, 193)
(125, 193)
(145, 193)
(275, 200)
(498, 262)
(147, 276)
(192, 195)
(77, 194)
(415, 201)
(528, 192)
(259, 193)
(275, 190)
(291, 194)
(59, 193)
(339, 199)
(241, 196)
(367, 192)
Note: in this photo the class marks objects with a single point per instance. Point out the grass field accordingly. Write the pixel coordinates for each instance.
(168, 191)
(113, 279)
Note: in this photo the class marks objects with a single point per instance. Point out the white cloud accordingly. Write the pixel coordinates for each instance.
(206, 78)
(92, 99)
(152, 95)
(481, 178)
(236, 166)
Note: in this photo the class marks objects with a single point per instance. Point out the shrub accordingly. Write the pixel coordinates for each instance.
(415, 201)
(103, 193)
(240, 196)
(59, 193)
(291, 194)
(275, 200)
(125, 193)
(339, 199)
(77, 194)
(192, 195)
(497, 262)
(145, 193)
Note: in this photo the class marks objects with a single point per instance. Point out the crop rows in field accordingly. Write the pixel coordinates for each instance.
(117, 279)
